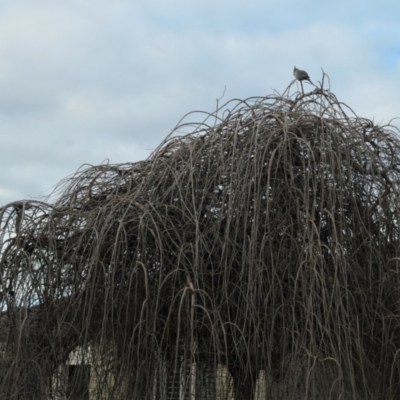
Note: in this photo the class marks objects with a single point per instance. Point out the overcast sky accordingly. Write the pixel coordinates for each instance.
(86, 81)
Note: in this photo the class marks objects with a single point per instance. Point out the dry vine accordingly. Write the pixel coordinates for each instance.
(266, 238)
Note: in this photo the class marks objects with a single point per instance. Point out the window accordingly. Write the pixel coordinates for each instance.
(78, 382)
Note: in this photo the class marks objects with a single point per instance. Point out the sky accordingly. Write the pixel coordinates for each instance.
(95, 81)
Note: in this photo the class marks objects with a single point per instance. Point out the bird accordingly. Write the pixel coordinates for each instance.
(301, 75)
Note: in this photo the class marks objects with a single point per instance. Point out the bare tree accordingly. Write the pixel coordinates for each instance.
(265, 239)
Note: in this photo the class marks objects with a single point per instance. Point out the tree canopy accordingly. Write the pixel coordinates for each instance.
(265, 237)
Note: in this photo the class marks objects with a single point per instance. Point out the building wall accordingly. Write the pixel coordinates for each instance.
(200, 382)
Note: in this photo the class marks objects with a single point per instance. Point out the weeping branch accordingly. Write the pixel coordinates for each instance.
(265, 239)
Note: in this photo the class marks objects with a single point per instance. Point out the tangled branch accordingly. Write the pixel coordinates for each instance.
(265, 239)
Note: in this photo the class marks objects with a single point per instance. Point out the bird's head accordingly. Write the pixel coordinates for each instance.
(294, 69)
